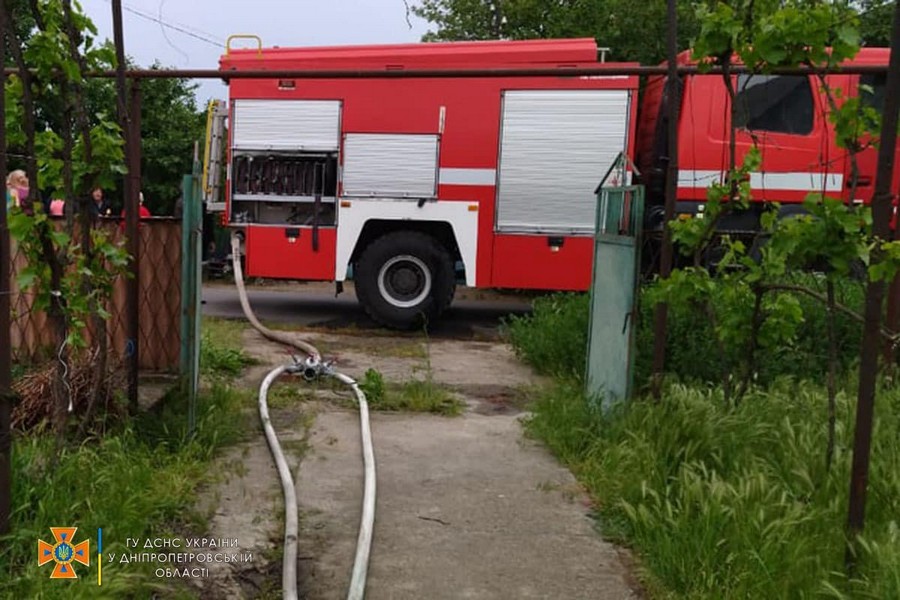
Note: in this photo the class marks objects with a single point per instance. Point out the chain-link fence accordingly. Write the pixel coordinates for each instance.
(159, 302)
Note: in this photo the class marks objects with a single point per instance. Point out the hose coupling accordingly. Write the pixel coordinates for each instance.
(312, 369)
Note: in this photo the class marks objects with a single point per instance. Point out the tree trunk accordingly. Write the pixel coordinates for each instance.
(97, 390)
(752, 343)
(56, 312)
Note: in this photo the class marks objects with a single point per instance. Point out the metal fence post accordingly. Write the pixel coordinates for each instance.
(5, 323)
(190, 292)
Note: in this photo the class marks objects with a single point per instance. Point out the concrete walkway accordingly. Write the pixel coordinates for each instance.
(467, 508)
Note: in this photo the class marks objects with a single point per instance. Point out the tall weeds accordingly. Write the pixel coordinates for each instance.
(724, 502)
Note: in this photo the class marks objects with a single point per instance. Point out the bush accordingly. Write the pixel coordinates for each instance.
(222, 361)
(372, 385)
(553, 339)
(724, 502)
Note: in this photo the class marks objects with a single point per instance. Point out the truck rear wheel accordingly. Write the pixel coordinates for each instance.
(405, 279)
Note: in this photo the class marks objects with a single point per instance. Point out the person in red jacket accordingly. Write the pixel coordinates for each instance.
(143, 212)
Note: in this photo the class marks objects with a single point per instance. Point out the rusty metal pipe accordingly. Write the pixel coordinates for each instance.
(609, 70)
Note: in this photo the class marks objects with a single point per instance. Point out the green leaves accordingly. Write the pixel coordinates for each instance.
(692, 235)
(84, 277)
(27, 277)
(776, 34)
(784, 316)
(720, 31)
(20, 225)
(856, 122)
(15, 134)
(748, 310)
(106, 262)
(48, 50)
(744, 300)
(889, 265)
(60, 238)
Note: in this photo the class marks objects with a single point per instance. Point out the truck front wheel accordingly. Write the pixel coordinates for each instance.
(405, 279)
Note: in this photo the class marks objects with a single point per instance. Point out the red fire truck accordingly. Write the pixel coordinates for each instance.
(410, 185)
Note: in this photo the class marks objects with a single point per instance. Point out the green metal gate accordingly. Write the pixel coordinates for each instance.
(610, 355)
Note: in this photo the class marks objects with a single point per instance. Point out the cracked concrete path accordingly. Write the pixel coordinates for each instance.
(467, 506)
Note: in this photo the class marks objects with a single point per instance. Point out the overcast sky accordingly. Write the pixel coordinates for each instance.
(277, 22)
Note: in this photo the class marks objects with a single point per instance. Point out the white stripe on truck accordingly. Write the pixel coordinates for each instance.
(791, 182)
(468, 176)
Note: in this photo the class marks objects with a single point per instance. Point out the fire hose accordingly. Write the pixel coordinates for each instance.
(311, 368)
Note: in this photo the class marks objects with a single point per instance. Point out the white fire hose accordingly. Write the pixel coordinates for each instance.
(311, 368)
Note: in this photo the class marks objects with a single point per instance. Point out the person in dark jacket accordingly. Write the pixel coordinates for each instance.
(99, 206)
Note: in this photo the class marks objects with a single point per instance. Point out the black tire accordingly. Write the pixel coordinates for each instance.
(405, 279)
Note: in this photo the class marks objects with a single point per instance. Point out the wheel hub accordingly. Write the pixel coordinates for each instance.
(404, 281)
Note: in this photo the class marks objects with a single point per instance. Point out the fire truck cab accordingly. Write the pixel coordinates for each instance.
(785, 116)
(412, 184)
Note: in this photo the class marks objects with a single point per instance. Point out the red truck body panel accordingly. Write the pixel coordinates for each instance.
(469, 139)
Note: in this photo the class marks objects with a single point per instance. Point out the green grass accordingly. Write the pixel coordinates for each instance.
(553, 337)
(221, 348)
(723, 502)
(139, 481)
(287, 394)
(414, 395)
(19, 371)
(421, 396)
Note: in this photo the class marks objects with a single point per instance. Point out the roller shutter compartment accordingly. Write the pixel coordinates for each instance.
(390, 165)
(289, 125)
(555, 147)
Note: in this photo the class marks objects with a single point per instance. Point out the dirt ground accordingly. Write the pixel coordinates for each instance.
(467, 507)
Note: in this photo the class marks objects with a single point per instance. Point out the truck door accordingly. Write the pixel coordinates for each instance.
(784, 116)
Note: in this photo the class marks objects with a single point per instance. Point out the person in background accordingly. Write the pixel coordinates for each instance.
(99, 206)
(16, 189)
(143, 212)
